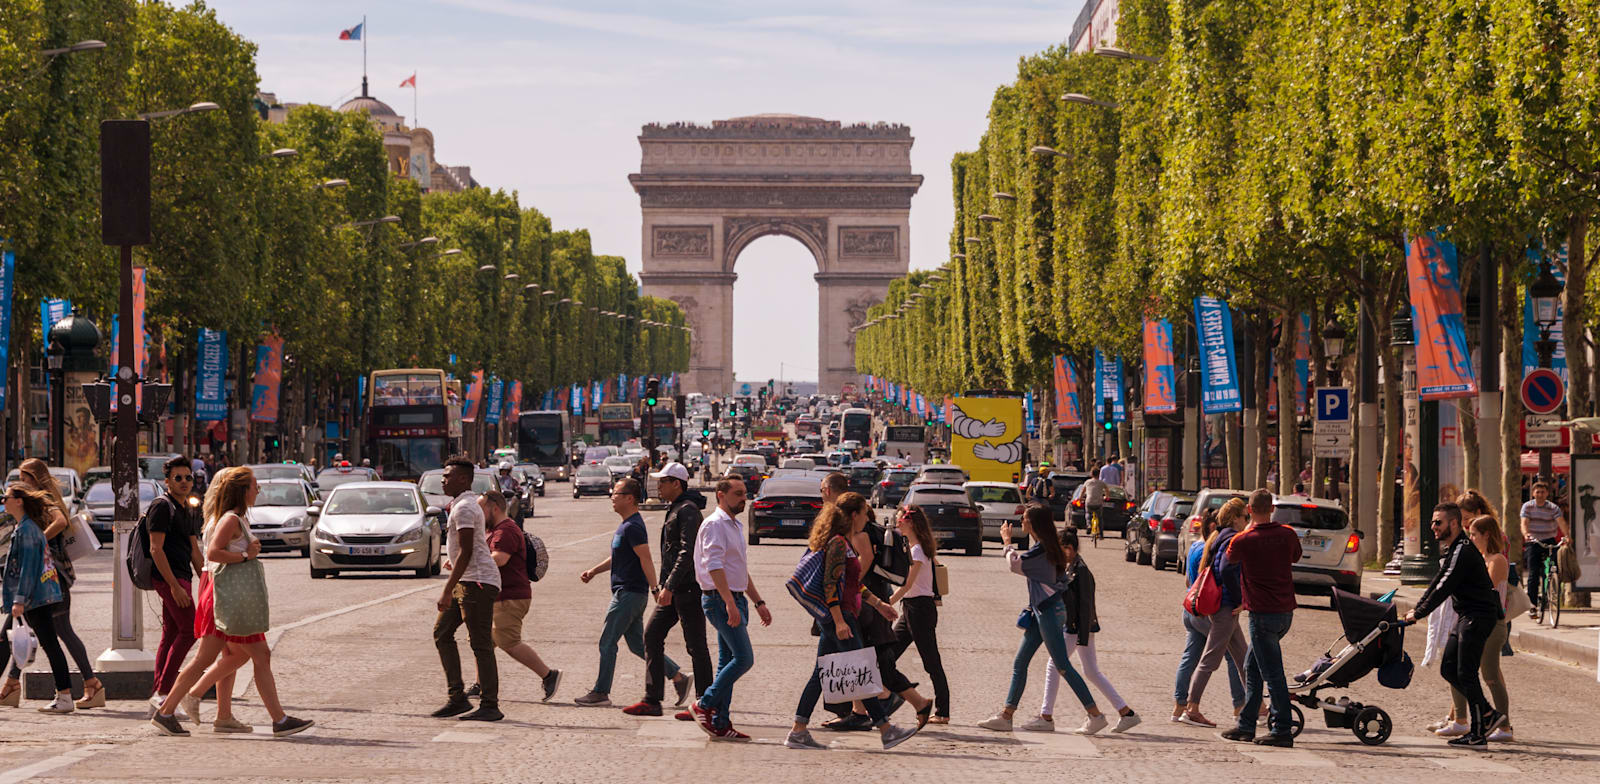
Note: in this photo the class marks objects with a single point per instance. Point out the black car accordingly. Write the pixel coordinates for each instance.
(784, 509)
(956, 522)
(753, 474)
(1064, 484)
(1115, 509)
(863, 477)
(892, 487)
(1152, 538)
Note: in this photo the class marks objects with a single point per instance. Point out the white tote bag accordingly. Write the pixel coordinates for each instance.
(849, 675)
(23, 646)
(79, 539)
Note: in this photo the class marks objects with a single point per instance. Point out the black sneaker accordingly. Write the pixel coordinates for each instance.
(855, 722)
(289, 726)
(169, 725)
(1493, 720)
(894, 703)
(1279, 741)
(454, 707)
(1469, 739)
(551, 680)
(1238, 736)
(682, 685)
(474, 690)
(484, 713)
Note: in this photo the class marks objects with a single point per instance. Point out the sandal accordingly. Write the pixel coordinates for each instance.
(11, 694)
(925, 715)
(94, 696)
(939, 720)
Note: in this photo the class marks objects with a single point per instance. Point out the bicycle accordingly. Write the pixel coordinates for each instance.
(1094, 525)
(1549, 605)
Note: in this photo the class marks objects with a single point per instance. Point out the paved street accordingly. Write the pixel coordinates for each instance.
(355, 654)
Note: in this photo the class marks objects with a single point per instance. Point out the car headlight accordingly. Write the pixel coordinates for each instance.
(413, 535)
(325, 536)
(301, 522)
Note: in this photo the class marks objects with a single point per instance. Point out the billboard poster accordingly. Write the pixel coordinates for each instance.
(1444, 365)
(1219, 373)
(514, 402)
(987, 438)
(268, 378)
(1068, 414)
(1585, 519)
(1109, 373)
(1302, 364)
(1160, 371)
(1027, 412)
(210, 396)
(549, 401)
(80, 432)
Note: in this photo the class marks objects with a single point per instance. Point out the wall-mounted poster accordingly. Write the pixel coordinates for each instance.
(1585, 518)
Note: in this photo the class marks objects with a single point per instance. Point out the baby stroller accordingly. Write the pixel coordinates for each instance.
(1374, 640)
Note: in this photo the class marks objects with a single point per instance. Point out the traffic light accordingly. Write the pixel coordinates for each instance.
(652, 390)
(705, 432)
(680, 404)
(1110, 426)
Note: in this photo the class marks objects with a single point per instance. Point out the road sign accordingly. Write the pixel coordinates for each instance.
(744, 389)
(1543, 431)
(1330, 445)
(1333, 412)
(1542, 391)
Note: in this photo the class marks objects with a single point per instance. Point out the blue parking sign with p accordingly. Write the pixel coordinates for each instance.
(1333, 404)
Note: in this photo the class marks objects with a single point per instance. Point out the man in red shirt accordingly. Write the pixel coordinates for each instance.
(1266, 553)
(508, 547)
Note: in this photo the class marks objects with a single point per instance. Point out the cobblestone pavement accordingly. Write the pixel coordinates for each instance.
(369, 676)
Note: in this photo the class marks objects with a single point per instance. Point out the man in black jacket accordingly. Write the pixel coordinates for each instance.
(1464, 580)
(678, 603)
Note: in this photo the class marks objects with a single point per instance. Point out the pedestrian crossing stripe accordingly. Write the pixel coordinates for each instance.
(671, 735)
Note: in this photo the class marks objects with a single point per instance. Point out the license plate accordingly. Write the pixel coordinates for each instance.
(943, 534)
(374, 550)
(1316, 541)
(794, 522)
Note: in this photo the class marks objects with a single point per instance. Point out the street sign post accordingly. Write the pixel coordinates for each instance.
(1543, 391)
(1330, 432)
(1543, 431)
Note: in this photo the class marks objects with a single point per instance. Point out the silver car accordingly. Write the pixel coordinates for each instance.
(592, 479)
(279, 517)
(999, 503)
(375, 527)
(100, 505)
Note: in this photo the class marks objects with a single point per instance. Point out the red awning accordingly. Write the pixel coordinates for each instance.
(1560, 462)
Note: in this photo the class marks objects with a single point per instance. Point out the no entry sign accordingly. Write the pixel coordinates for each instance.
(1542, 391)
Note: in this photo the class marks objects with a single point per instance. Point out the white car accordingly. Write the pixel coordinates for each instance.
(375, 527)
(999, 503)
(592, 479)
(1330, 544)
(619, 466)
(803, 463)
(279, 517)
(941, 475)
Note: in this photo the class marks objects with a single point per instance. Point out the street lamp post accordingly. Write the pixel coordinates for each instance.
(58, 399)
(1545, 291)
(1333, 337)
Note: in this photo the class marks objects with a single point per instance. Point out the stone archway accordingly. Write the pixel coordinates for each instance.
(707, 192)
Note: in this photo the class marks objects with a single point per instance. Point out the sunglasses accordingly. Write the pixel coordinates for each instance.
(1437, 523)
(17, 494)
(182, 477)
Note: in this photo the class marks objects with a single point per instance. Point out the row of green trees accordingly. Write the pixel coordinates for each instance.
(1274, 153)
(251, 243)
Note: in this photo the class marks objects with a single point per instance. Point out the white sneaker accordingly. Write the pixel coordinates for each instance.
(61, 704)
(189, 709)
(1502, 735)
(1038, 724)
(1438, 725)
(997, 722)
(1127, 722)
(1093, 724)
(1454, 729)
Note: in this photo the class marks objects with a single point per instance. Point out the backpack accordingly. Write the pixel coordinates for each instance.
(141, 567)
(805, 585)
(891, 560)
(538, 558)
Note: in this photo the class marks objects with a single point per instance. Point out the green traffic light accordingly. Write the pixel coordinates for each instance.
(650, 401)
(1111, 426)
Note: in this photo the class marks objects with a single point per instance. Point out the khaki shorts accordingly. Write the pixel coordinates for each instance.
(508, 614)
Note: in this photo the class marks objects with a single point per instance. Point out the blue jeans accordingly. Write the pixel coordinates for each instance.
(1265, 667)
(624, 621)
(734, 656)
(1196, 628)
(828, 643)
(1049, 627)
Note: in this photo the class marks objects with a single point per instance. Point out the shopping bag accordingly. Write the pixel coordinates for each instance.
(23, 646)
(849, 675)
(1517, 602)
(239, 598)
(79, 539)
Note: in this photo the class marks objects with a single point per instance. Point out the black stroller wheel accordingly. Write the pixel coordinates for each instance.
(1297, 720)
(1372, 726)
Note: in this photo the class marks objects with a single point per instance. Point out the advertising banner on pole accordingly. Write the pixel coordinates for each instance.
(474, 401)
(210, 396)
(1160, 371)
(514, 402)
(1444, 365)
(1110, 374)
(1530, 328)
(1219, 375)
(491, 410)
(1068, 414)
(268, 378)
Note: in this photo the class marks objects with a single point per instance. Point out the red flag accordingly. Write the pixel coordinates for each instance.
(352, 34)
(411, 81)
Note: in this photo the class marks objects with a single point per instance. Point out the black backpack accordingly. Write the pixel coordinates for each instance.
(537, 557)
(141, 567)
(891, 559)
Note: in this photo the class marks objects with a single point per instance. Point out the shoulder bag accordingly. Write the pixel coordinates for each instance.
(1205, 596)
(239, 598)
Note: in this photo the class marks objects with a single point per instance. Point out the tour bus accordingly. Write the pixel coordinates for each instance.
(409, 422)
(616, 424)
(542, 439)
(856, 425)
(905, 443)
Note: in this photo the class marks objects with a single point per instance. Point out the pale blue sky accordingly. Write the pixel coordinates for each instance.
(546, 98)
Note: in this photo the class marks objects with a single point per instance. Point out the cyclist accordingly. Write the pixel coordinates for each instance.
(1094, 495)
(511, 489)
(1039, 488)
(1543, 527)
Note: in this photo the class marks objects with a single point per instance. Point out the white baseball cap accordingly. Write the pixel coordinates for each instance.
(675, 470)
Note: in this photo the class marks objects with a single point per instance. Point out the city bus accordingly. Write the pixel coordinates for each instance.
(616, 424)
(856, 425)
(409, 421)
(906, 442)
(663, 421)
(543, 439)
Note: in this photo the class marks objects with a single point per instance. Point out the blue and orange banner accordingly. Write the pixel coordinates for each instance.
(1444, 365)
(474, 397)
(210, 396)
(491, 410)
(1160, 371)
(1219, 373)
(1068, 413)
(514, 402)
(1109, 373)
(1530, 327)
(268, 379)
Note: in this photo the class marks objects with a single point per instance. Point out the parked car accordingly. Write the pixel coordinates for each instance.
(862, 476)
(278, 518)
(892, 487)
(1115, 509)
(784, 509)
(955, 520)
(1063, 485)
(941, 475)
(72, 488)
(333, 477)
(100, 505)
(375, 527)
(153, 465)
(619, 466)
(1209, 498)
(591, 479)
(1329, 543)
(999, 503)
(1151, 538)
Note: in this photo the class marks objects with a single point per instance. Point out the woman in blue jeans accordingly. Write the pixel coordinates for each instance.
(1045, 620)
(1196, 629)
(842, 594)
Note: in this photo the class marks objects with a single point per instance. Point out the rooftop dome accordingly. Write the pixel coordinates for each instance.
(368, 104)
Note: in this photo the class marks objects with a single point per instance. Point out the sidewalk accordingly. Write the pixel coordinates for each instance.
(1576, 642)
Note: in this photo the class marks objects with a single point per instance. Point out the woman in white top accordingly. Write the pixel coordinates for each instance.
(919, 617)
(227, 541)
(1485, 533)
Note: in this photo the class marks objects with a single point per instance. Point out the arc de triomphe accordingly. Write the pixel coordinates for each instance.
(707, 192)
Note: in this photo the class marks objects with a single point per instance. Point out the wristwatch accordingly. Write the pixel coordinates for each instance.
(761, 603)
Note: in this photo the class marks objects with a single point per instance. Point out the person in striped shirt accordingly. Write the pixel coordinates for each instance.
(1543, 526)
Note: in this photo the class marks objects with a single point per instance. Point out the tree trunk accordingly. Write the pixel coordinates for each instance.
(1288, 432)
(1232, 427)
(1394, 434)
(1467, 417)
(1262, 337)
(1511, 406)
(1573, 323)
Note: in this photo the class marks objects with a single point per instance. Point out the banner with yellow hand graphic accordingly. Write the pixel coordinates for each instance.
(987, 437)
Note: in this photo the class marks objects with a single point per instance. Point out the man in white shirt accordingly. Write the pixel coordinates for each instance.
(469, 595)
(1111, 474)
(721, 569)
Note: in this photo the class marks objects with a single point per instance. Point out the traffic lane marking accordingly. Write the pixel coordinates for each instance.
(1292, 758)
(51, 763)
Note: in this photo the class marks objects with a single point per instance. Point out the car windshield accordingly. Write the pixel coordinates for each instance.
(327, 480)
(864, 473)
(101, 493)
(1316, 518)
(938, 497)
(265, 472)
(593, 471)
(902, 477)
(433, 483)
(749, 460)
(596, 453)
(993, 495)
(624, 463)
(372, 501)
(281, 494)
